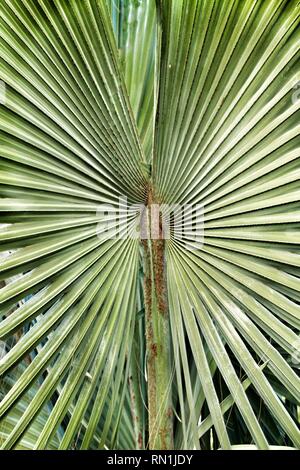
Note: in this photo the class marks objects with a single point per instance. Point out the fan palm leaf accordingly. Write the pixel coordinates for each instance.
(122, 342)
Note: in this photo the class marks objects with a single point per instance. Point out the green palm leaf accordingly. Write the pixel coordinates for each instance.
(117, 342)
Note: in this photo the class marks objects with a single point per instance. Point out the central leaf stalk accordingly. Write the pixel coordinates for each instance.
(159, 373)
